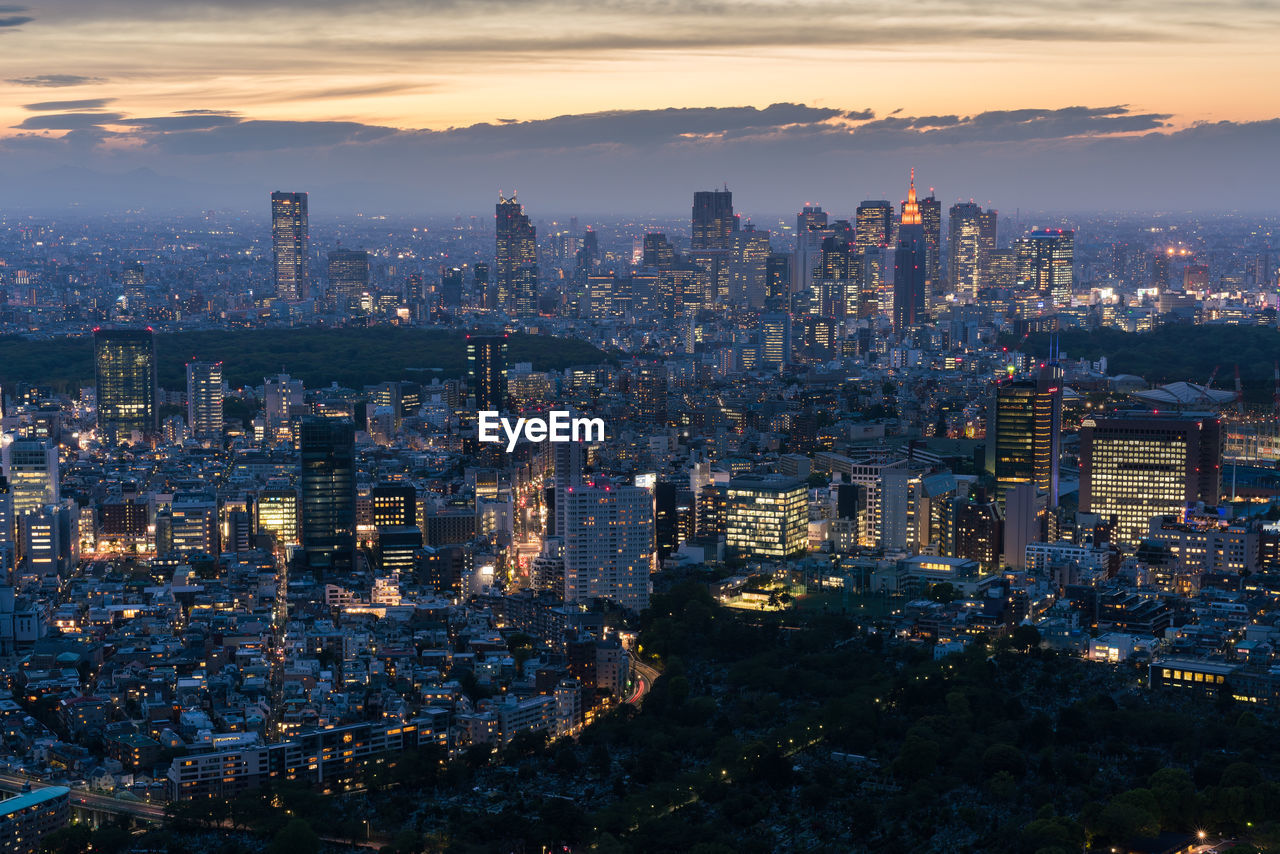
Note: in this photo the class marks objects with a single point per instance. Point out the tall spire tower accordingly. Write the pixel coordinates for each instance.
(910, 264)
(911, 210)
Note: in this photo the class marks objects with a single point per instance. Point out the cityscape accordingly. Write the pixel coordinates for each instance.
(633, 427)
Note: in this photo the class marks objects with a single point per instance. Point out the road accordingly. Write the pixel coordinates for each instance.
(141, 810)
(645, 676)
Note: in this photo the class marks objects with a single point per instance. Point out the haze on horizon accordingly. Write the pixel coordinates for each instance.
(625, 107)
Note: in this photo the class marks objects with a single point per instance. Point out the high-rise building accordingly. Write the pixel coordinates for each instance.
(567, 475)
(204, 401)
(291, 245)
(450, 287)
(608, 544)
(327, 448)
(713, 220)
(31, 468)
(650, 398)
(748, 266)
(1137, 465)
(487, 371)
(931, 219)
(964, 245)
(658, 254)
(126, 383)
(766, 516)
(6, 516)
(910, 266)
(987, 234)
(515, 259)
(874, 224)
(775, 340)
(348, 276)
(395, 505)
(1024, 434)
(1044, 262)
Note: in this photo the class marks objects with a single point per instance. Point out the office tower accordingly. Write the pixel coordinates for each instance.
(204, 401)
(713, 220)
(450, 287)
(1160, 262)
(1002, 268)
(748, 267)
(31, 468)
(1137, 465)
(977, 531)
(777, 280)
(1024, 433)
(567, 475)
(277, 509)
(395, 505)
(666, 519)
(282, 398)
(608, 544)
(49, 539)
(487, 371)
(601, 289)
(658, 254)
(327, 448)
(126, 383)
(839, 279)
(874, 224)
(931, 219)
(135, 287)
(414, 290)
(964, 245)
(766, 516)
(775, 340)
(1044, 265)
(515, 259)
(348, 276)
(291, 245)
(650, 394)
(910, 262)
(811, 231)
(987, 234)
(482, 293)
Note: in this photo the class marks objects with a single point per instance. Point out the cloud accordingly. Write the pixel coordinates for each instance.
(83, 104)
(55, 81)
(9, 19)
(67, 121)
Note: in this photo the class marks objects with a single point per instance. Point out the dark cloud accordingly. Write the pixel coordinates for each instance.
(53, 106)
(239, 137)
(859, 115)
(54, 81)
(15, 20)
(190, 120)
(67, 121)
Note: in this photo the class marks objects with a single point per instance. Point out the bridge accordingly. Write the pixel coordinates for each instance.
(92, 807)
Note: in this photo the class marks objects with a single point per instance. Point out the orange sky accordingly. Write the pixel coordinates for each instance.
(442, 64)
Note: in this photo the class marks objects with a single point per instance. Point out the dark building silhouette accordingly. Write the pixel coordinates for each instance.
(910, 266)
(487, 366)
(327, 449)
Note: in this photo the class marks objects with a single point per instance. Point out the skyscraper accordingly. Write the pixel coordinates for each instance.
(1044, 262)
(1137, 465)
(327, 449)
(31, 468)
(126, 383)
(910, 262)
(964, 245)
(931, 219)
(487, 367)
(608, 544)
(291, 245)
(659, 254)
(651, 394)
(874, 224)
(775, 340)
(1024, 435)
(348, 276)
(515, 259)
(713, 220)
(204, 401)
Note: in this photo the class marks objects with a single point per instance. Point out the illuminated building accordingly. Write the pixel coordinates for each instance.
(977, 531)
(1138, 465)
(1024, 434)
(650, 398)
(487, 371)
(193, 525)
(1044, 262)
(713, 220)
(775, 338)
(608, 544)
(125, 362)
(966, 248)
(766, 516)
(31, 815)
(291, 245)
(931, 220)
(31, 467)
(348, 276)
(910, 267)
(395, 505)
(6, 512)
(516, 259)
(204, 401)
(327, 448)
(874, 225)
(658, 254)
(748, 266)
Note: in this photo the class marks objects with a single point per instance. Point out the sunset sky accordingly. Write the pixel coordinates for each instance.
(432, 106)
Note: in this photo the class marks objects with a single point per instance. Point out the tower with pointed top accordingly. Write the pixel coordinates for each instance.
(910, 266)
